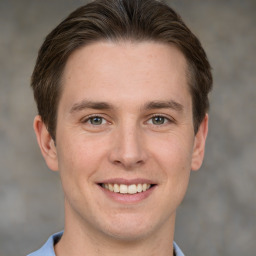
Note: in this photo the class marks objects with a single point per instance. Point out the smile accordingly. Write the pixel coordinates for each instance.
(126, 189)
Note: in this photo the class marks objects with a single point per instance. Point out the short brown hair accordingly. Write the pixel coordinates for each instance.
(115, 20)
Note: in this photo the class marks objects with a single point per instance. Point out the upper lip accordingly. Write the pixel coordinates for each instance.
(127, 181)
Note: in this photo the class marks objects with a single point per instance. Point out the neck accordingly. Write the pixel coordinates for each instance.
(80, 238)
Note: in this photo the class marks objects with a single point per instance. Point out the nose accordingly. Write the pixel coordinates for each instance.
(128, 147)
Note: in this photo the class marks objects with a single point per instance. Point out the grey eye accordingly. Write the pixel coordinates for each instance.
(158, 120)
(96, 120)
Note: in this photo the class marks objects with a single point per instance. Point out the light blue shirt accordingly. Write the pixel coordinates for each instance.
(48, 248)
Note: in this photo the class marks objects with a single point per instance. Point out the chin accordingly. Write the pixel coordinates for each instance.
(131, 229)
(128, 235)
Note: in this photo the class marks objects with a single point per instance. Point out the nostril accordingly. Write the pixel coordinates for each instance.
(128, 163)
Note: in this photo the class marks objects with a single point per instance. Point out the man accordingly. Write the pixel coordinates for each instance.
(122, 93)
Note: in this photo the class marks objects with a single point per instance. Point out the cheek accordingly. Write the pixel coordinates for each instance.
(78, 160)
(79, 157)
(77, 167)
(174, 154)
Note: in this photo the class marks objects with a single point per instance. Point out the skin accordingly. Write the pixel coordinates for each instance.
(144, 130)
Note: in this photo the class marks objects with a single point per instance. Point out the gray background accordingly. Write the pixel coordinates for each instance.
(218, 215)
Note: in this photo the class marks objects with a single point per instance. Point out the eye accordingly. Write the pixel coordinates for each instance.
(95, 120)
(159, 120)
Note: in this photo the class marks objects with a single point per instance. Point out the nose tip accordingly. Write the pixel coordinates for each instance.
(128, 150)
(128, 161)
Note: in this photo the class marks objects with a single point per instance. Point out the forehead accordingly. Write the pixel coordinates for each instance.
(105, 70)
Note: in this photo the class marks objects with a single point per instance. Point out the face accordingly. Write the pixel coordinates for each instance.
(125, 142)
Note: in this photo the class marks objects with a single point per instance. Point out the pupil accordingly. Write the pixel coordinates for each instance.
(96, 120)
(158, 120)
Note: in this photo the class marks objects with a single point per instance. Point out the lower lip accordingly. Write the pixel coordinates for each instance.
(128, 198)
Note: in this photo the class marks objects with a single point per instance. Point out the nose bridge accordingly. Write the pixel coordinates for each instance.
(128, 147)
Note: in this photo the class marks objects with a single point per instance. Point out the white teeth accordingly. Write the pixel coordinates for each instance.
(139, 188)
(132, 189)
(123, 189)
(126, 189)
(116, 188)
(111, 187)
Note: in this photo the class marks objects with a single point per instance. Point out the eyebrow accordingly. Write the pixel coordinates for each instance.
(85, 104)
(171, 104)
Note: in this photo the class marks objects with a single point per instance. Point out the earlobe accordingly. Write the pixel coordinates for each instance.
(46, 144)
(199, 145)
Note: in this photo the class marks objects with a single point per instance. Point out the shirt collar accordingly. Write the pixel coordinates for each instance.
(48, 247)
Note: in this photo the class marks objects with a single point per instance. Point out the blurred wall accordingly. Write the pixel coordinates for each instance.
(218, 215)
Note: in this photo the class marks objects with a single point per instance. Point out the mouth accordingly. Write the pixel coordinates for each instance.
(127, 189)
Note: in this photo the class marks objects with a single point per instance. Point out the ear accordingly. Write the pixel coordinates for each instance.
(46, 144)
(199, 145)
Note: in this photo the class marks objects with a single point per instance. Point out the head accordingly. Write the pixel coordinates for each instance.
(118, 21)
(121, 88)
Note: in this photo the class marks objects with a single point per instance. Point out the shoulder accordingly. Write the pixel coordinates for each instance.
(177, 250)
(48, 248)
